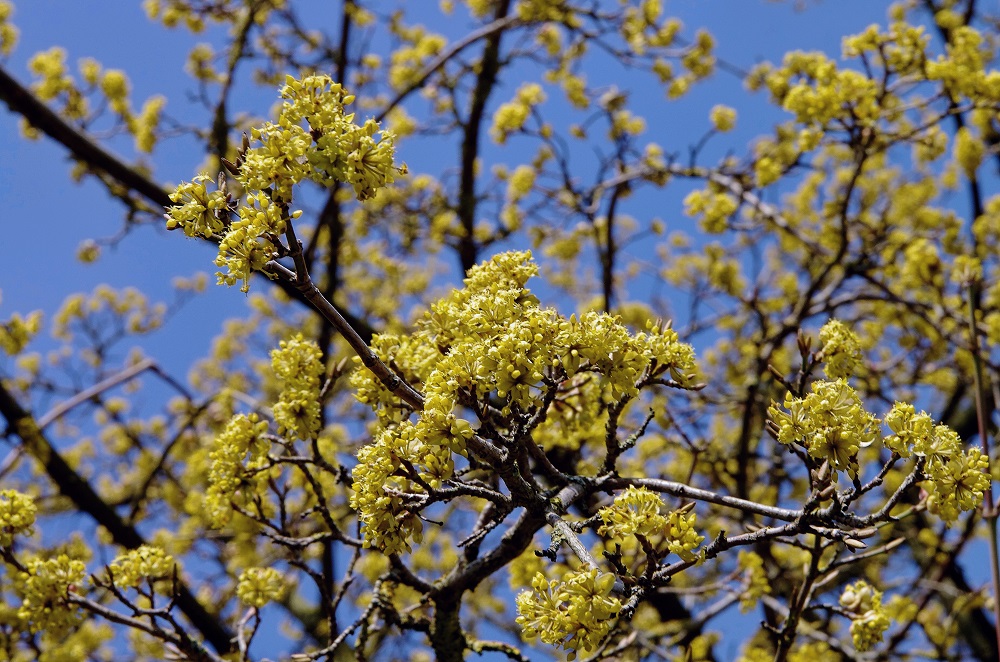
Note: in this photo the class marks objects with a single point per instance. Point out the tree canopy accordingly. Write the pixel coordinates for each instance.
(561, 391)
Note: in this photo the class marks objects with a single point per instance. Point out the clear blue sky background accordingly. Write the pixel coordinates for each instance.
(44, 217)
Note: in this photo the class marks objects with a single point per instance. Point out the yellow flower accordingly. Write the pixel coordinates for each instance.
(259, 586)
(573, 614)
(723, 118)
(841, 350)
(17, 515)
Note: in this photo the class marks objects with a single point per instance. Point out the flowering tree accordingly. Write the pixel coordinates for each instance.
(537, 459)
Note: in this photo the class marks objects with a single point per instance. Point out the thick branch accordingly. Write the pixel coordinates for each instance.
(489, 66)
(21, 101)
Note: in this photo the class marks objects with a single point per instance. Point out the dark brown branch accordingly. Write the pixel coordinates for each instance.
(489, 66)
(21, 101)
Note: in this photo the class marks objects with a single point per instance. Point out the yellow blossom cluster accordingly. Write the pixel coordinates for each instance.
(141, 565)
(713, 206)
(298, 366)
(816, 91)
(830, 423)
(968, 151)
(407, 62)
(574, 614)
(44, 586)
(962, 69)
(8, 33)
(198, 211)
(239, 454)
(808, 651)
(173, 12)
(17, 516)
(723, 118)
(681, 535)
(313, 139)
(643, 27)
(378, 490)
(112, 311)
(17, 332)
(955, 479)
(900, 48)
(260, 586)
(869, 620)
(192, 14)
(841, 350)
(511, 117)
(636, 512)
(50, 67)
(544, 11)
(698, 62)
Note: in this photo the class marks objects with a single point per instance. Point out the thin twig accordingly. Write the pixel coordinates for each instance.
(88, 393)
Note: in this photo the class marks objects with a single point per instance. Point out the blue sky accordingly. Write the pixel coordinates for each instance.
(44, 217)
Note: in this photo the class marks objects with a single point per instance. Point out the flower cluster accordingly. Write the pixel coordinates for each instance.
(43, 587)
(713, 206)
(111, 312)
(830, 423)
(723, 118)
(239, 453)
(298, 366)
(841, 350)
(55, 82)
(869, 620)
(969, 150)
(546, 11)
(141, 565)
(574, 614)
(409, 59)
(342, 150)
(635, 512)
(198, 211)
(388, 524)
(681, 536)
(492, 336)
(642, 27)
(173, 12)
(18, 331)
(955, 480)
(17, 515)
(8, 33)
(252, 239)
(314, 139)
(810, 86)
(259, 586)
(962, 70)
(511, 117)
